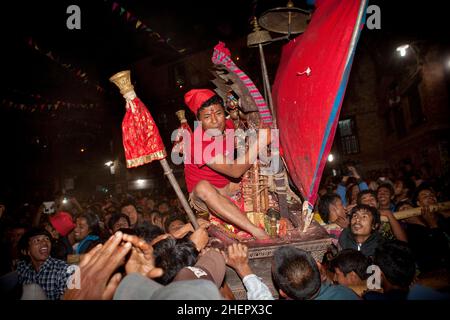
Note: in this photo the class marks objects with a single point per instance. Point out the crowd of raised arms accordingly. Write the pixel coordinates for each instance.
(142, 246)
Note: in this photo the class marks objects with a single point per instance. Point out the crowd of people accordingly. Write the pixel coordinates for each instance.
(360, 216)
(142, 246)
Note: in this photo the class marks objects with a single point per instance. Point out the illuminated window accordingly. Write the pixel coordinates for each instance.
(348, 136)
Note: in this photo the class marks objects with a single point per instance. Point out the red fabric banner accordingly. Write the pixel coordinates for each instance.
(309, 88)
(141, 139)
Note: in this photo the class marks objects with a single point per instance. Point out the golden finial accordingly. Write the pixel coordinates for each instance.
(122, 81)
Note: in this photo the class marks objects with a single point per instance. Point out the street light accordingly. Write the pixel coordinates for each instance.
(413, 46)
(402, 49)
(109, 163)
(330, 157)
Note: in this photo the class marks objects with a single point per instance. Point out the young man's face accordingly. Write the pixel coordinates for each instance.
(131, 212)
(349, 279)
(384, 197)
(398, 187)
(361, 223)
(39, 248)
(354, 192)
(81, 230)
(213, 118)
(50, 229)
(337, 212)
(426, 198)
(175, 225)
(369, 200)
(15, 236)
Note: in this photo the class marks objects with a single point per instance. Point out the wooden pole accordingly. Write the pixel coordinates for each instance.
(176, 187)
(414, 212)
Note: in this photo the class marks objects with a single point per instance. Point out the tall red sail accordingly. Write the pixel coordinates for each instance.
(310, 85)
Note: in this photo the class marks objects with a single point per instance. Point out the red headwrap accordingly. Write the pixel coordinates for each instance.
(62, 222)
(196, 97)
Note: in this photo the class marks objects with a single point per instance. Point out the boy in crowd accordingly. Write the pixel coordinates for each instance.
(333, 214)
(390, 230)
(350, 270)
(39, 267)
(296, 275)
(362, 234)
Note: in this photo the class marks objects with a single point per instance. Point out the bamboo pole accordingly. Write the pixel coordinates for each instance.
(414, 212)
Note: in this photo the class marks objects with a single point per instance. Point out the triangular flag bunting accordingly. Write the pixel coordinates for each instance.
(122, 11)
(114, 6)
(128, 15)
(138, 24)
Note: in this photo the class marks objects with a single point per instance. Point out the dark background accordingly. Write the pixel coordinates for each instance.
(38, 147)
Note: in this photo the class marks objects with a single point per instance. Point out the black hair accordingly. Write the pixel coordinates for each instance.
(174, 217)
(24, 242)
(296, 273)
(402, 203)
(363, 192)
(128, 202)
(386, 186)
(348, 193)
(148, 231)
(376, 219)
(324, 205)
(116, 217)
(349, 260)
(92, 221)
(397, 263)
(173, 255)
(423, 186)
(213, 100)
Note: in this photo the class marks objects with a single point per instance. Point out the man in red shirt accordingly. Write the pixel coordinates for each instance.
(211, 171)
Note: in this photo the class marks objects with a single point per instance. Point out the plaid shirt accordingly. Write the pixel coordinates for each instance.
(52, 276)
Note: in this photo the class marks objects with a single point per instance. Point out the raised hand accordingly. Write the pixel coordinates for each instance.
(237, 258)
(96, 270)
(141, 260)
(430, 216)
(200, 237)
(354, 172)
